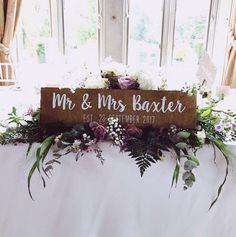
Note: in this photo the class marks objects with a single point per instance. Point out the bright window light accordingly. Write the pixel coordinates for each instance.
(81, 38)
(145, 25)
(190, 30)
(34, 32)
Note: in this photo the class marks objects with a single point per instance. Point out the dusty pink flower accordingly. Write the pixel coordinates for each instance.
(133, 131)
(234, 126)
(29, 111)
(127, 83)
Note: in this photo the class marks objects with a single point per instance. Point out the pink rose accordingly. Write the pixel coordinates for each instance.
(98, 130)
(127, 83)
(133, 131)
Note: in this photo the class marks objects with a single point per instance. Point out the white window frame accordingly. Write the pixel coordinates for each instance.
(212, 22)
(168, 30)
(57, 23)
(113, 29)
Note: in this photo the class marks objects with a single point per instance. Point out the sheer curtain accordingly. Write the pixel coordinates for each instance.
(9, 13)
(230, 77)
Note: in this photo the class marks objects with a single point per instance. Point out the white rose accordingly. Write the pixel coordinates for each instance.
(95, 83)
(201, 135)
(111, 66)
(2, 129)
(146, 78)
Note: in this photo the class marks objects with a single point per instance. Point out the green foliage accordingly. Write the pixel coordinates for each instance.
(180, 54)
(144, 145)
(175, 176)
(181, 145)
(193, 31)
(14, 118)
(88, 31)
(41, 153)
(184, 134)
(141, 28)
(143, 154)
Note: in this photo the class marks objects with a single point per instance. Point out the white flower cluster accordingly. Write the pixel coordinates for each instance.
(58, 138)
(76, 146)
(95, 82)
(115, 131)
(226, 125)
(201, 136)
(146, 77)
(87, 77)
(109, 66)
(86, 140)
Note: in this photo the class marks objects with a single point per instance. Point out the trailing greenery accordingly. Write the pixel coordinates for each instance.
(146, 146)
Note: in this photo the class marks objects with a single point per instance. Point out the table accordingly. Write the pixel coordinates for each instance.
(86, 199)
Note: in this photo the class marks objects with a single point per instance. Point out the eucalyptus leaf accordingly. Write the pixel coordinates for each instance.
(181, 145)
(184, 134)
(189, 165)
(189, 183)
(194, 159)
(188, 175)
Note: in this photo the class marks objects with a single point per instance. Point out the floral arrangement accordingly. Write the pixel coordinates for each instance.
(146, 146)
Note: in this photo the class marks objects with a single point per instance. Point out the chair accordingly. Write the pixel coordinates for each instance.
(7, 74)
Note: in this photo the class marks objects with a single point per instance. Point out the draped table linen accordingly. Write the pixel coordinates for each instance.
(87, 199)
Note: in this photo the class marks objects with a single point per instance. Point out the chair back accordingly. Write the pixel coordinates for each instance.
(7, 74)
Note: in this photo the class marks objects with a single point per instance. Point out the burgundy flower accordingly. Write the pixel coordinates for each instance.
(133, 131)
(93, 124)
(127, 83)
(98, 130)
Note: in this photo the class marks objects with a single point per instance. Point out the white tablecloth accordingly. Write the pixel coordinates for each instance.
(86, 199)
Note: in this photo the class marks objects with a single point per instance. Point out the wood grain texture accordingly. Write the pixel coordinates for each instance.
(128, 105)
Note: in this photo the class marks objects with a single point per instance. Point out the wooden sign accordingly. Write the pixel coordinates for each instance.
(140, 107)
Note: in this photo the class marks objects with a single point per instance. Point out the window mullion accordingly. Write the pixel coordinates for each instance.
(164, 35)
(171, 40)
(125, 43)
(168, 30)
(101, 30)
(57, 23)
(213, 15)
(113, 35)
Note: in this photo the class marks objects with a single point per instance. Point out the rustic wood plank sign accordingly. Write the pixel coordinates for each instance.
(140, 107)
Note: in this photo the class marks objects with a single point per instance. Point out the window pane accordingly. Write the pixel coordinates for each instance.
(34, 33)
(81, 31)
(145, 32)
(190, 30)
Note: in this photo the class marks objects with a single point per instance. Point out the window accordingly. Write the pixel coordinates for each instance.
(81, 38)
(34, 32)
(167, 33)
(190, 30)
(145, 32)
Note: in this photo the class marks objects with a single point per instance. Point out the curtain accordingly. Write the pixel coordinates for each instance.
(9, 14)
(230, 76)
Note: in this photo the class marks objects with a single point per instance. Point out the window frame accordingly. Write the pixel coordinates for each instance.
(117, 19)
(168, 30)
